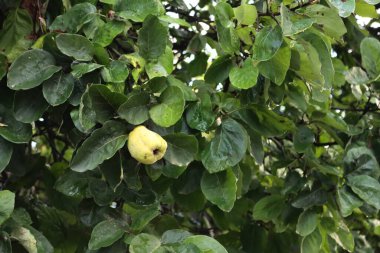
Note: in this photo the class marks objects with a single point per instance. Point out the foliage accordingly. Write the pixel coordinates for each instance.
(271, 112)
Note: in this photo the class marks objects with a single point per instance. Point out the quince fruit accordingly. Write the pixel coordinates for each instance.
(146, 146)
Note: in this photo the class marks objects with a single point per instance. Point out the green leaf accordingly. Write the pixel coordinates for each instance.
(76, 46)
(30, 69)
(116, 72)
(311, 243)
(205, 244)
(187, 91)
(245, 14)
(370, 52)
(174, 236)
(360, 160)
(268, 41)
(105, 234)
(347, 201)
(364, 9)
(265, 122)
(244, 77)
(367, 188)
(104, 102)
(74, 18)
(101, 145)
(268, 208)
(144, 243)
(163, 66)
(327, 18)
(345, 8)
(198, 66)
(227, 148)
(220, 188)
(303, 138)
(199, 115)
(307, 222)
(292, 24)
(13, 130)
(58, 88)
(324, 52)
(141, 215)
(135, 109)
(32, 240)
(138, 10)
(152, 38)
(105, 34)
(170, 108)
(29, 110)
(17, 25)
(86, 115)
(356, 76)
(305, 62)
(228, 38)
(7, 200)
(315, 198)
(6, 150)
(78, 70)
(276, 68)
(182, 149)
(72, 184)
(344, 238)
(219, 70)
(224, 14)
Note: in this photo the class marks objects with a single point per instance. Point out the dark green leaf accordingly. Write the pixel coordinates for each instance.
(227, 148)
(104, 102)
(13, 130)
(276, 68)
(6, 150)
(367, 188)
(17, 25)
(83, 68)
(267, 42)
(28, 110)
(7, 200)
(219, 70)
(182, 149)
(220, 188)
(174, 236)
(116, 72)
(311, 243)
(269, 208)
(205, 244)
(303, 138)
(101, 145)
(144, 243)
(30, 69)
(74, 18)
(105, 234)
(314, 198)
(76, 46)
(135, 109)
(105, 34)
(307, 222)
(138, 10)
(152, 38)
(58, 88)
(347, 201)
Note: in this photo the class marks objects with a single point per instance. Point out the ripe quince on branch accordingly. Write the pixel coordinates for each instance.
(146, 146)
